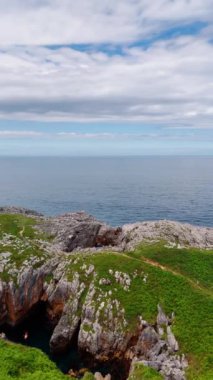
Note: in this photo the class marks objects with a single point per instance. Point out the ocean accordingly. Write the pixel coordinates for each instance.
(116, 190)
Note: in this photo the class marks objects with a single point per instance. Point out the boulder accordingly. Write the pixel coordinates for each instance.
(79, 230)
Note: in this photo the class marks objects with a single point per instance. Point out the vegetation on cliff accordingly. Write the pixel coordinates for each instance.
(23, 363)
(140, 372)
(110, 291)
(150, 285)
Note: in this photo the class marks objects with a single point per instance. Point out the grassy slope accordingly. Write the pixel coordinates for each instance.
(184, 286)
(21, 363)
(16, 224)
(192, 306)
(193, 263)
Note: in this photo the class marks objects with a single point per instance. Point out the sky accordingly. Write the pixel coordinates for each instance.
(92, 78)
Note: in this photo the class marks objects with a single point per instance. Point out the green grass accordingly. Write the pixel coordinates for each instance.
(16, 224)
(193, 263)
(88, 376)
(23, 363)
(140, 372)
(22, 226)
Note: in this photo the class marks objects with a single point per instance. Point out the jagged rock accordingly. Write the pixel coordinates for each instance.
(146, 341)
(98, 376)
(151, 350)
(69, 321)
(17, 300)
(162, 319)
(63, 333)
(173, 232)
(104, 281)
(172, 342)
(80, 230)
(108, 236)
(102, 335)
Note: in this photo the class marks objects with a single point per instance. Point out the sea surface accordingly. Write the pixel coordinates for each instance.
(115, 190)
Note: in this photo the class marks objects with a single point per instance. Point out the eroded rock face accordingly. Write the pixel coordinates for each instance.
(74, 231)
(102, 331)
(78, 230)
(18, 297)
(85, 303)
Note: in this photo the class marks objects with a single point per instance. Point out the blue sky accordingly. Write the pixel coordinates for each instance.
(106, 78)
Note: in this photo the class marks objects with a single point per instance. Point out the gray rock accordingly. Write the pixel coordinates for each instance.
(146, 341)
(172, 342)
(79, 230)
(162, 319)
(63, 333)
(18, 210)
(98, 376)
(175, 233)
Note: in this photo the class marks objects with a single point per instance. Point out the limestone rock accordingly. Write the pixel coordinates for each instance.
(172, 342)
(79, 230)
(146, 341)
(98, 376)
(19, 210)
(180, 234)
(162, 319)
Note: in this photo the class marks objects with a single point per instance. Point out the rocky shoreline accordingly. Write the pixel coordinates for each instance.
(77, 230)
(80, 300)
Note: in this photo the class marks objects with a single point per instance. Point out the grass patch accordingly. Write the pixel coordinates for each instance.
(140, 372)
(17, 225)
(23, 363)
(21, 226)
(193, 263)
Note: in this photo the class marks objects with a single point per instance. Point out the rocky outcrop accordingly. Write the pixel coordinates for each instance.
(78, 230)
(19, 210)
(175, 233)
(79, 300)
(157, 348)
(75, 231)
(19, 296)
(98, 376)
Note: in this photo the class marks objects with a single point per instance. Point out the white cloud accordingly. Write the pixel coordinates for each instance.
(170, 83)
(19, 134)
(45, 22)
(103, 136)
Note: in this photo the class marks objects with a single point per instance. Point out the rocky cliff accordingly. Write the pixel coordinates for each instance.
(91, 286)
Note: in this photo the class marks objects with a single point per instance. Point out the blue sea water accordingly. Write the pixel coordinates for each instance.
(115, 190)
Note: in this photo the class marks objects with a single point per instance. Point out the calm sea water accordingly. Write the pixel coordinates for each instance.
(115, 190)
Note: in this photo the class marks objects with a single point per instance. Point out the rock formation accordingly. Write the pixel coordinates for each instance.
(76, 299)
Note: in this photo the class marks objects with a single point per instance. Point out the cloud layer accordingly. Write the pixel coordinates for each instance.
(168, 81)
(45, 22)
